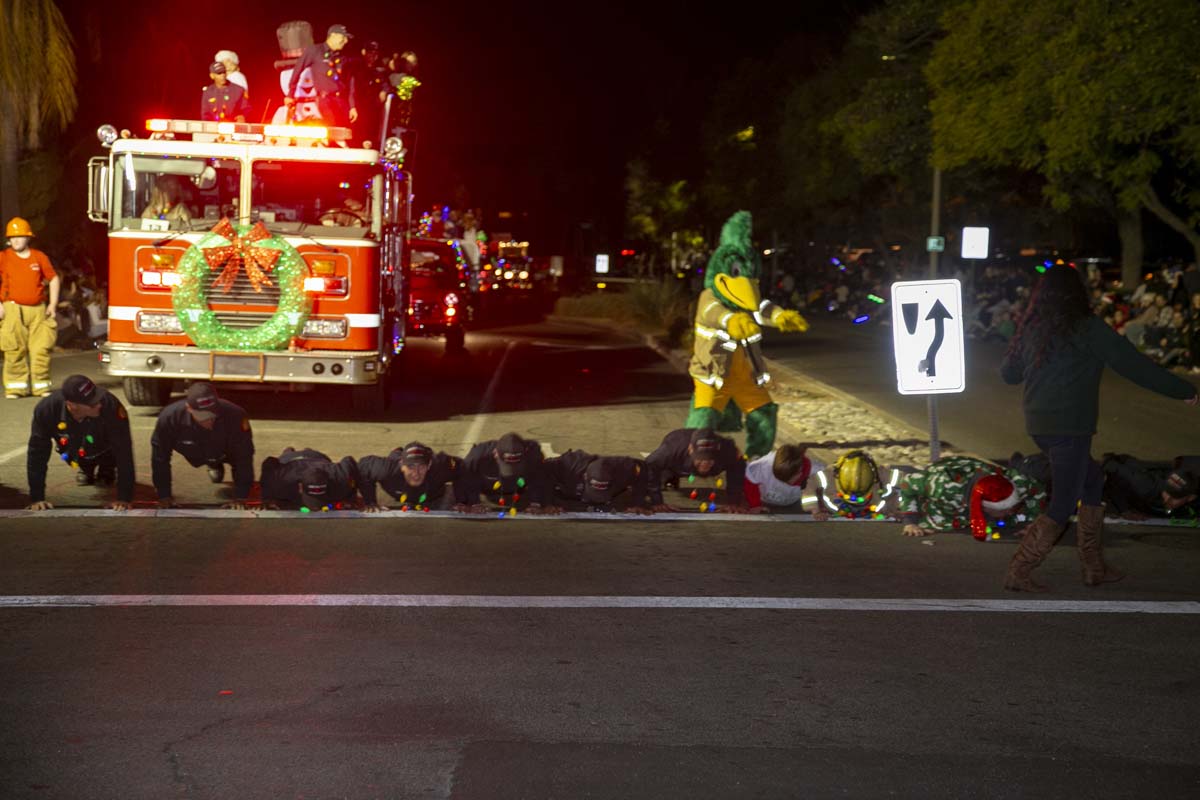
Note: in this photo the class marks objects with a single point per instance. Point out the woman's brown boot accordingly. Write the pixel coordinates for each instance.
(1089, 532)
(1035, 545)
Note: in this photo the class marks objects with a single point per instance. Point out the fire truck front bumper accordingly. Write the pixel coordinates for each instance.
(192, 363)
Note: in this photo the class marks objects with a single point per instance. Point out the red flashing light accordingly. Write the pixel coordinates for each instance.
(156, 125)
(628, 252)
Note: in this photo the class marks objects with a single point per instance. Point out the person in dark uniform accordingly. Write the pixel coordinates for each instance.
(1137, 490)
(413, 475)
(597, 481)
(90, 430)
(696, 452)
(222, 101)
(371, 85)
(505, 470)
(332, 77)
(309, 480)
(207, 431)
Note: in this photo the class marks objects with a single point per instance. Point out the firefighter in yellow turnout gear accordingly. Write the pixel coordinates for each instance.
(29, 295)
(727, 361)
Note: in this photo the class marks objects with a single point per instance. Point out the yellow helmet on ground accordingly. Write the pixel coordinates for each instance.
(856, 473)
(17, 227)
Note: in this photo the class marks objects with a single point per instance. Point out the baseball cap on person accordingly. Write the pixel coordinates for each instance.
(599, 481)
(314, 485)
(216, 68)
(705, 443)
(338, 29)
(202, 401)
(1181, 483)
(83, 390)
(510, 454)
(416, 454)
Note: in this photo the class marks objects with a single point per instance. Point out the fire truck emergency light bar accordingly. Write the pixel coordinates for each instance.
(248, 132)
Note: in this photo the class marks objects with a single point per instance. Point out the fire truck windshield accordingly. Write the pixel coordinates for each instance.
(174, 192)
(317, 199)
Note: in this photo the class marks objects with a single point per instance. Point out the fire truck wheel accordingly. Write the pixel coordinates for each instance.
(370, 398)
(147, 391)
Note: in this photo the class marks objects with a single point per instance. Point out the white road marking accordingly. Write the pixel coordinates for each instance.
(485, 404)
(11, 454)
(609, 602)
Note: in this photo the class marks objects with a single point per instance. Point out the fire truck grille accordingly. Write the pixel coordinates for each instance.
(243, 294)
(241, 320)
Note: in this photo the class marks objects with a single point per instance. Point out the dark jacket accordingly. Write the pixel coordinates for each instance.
(479, 473)
(1134, 485)
(1062, 394)
(385, 470)
(281, 476)
(568, 475)
(230, 440)
(671, 460)
(332, 73)
(224, 103)
(88, 443)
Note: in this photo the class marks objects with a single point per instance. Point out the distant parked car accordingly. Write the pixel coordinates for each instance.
(440, 300)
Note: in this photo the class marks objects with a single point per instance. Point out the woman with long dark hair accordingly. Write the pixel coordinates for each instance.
(1059, 351)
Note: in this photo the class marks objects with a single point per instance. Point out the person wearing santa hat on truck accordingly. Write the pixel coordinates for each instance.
(960, 493)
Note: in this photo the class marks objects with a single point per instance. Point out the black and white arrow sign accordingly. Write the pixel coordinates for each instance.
(928, 336)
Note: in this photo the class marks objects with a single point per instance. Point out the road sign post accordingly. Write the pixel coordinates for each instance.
(927, 340)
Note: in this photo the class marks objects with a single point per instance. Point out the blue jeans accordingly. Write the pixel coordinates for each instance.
(1074, 475)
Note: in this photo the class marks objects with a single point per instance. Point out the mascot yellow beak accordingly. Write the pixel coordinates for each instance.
(742, 291)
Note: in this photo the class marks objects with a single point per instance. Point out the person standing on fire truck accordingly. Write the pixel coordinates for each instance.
(222, 101)
(27, 326)
(332, 77)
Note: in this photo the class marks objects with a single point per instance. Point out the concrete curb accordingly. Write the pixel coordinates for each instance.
(417, 516)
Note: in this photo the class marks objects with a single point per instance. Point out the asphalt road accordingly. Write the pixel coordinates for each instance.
(986, 418)
(419, 656)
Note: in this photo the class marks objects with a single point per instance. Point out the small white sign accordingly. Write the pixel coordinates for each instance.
(156, 225)
(975, 242)
(927, 337)
(601, 263)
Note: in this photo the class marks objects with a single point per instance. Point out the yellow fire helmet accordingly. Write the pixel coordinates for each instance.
(17, 227)
(856, 473)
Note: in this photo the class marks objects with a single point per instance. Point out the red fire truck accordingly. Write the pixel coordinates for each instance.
(255, 254)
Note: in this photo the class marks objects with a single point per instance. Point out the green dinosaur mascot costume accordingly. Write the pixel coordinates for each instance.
(727, 361)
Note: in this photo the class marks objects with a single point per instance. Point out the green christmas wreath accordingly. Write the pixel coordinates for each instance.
(267, 260)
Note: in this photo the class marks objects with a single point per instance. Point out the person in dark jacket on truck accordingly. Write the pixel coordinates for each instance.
(1059, 352)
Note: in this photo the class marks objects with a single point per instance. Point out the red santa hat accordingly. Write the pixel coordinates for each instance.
(994, 494)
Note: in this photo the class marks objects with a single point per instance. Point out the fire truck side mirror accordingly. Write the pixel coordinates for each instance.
(99, 189)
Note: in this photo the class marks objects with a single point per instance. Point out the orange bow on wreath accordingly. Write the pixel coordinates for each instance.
(240, 251)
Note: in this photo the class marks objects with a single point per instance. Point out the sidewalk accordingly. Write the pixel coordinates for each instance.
(828, 420)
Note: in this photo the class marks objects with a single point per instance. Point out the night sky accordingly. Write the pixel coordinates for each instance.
(533, 108)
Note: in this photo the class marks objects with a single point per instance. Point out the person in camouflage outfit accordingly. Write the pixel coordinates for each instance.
(959, 493)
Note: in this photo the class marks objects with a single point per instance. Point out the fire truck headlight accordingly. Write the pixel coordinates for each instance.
(327, 328)
(158, 322)
(107, 134)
